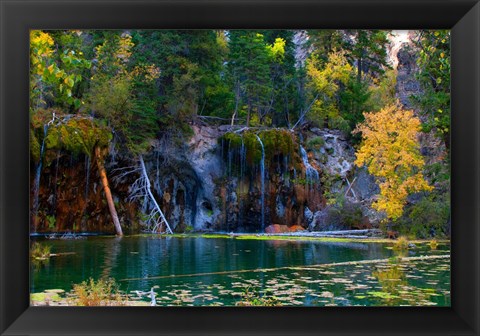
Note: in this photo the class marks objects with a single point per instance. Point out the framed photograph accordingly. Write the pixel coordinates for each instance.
(274, 167)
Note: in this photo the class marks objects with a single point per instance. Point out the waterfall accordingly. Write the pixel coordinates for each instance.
(286, 172)
(243, 164)
(262, 172)
(83, 223)
(311, 173)
(56, 179)
(38, 173)
(87, 176)
(230, 158)
(243, 156)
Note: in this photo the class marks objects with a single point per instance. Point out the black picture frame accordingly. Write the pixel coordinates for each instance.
(18, 16)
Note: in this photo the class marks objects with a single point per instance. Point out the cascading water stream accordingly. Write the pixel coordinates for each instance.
(55, 184)
(230, 158)
(87, 176)
(38, 173)
(243, 155)
(83, 223)
(311, 173)
(262, 172)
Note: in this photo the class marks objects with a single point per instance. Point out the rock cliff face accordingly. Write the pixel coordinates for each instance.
(295, 189)
(402, 55)
(213, 183)
(205, 159)
(71, 199)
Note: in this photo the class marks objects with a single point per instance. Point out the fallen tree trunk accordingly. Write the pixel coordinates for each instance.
(348, 232)
(337, 233)
(108, 193)
(157, 210)
(343, 236)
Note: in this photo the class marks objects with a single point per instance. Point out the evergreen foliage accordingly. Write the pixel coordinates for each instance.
(434, 77)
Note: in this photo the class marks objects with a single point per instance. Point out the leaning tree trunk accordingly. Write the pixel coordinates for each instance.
(108, 193)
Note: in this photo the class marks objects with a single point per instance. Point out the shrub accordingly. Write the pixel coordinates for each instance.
(340, 124)
(315, 143)
(343, 214)
(98, 293)
(427, 218)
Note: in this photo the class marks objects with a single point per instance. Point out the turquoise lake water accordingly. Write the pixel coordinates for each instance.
(220, 271)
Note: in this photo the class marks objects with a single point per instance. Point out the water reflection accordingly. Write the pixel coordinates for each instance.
(201, 271)
(145, 257)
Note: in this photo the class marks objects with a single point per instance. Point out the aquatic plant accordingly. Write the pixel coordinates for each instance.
(253, 298)
(401, 243)
(40, 251)
(48, 297)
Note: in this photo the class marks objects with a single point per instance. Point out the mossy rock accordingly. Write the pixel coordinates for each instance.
(78, 135)
(275, 142)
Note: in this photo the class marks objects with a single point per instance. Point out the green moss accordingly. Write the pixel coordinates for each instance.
(233, 139)
(275, 141)
(280, 237)
(34, 147)
(215, 235)
(78, 136)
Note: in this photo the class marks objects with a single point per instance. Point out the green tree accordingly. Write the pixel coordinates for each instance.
(284, 77)
(249, 68)
(325, 41)
(434, 78)
(114, 94)
(367, 49)
(190, 82)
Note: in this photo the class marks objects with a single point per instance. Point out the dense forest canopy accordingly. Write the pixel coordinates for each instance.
(115, 96)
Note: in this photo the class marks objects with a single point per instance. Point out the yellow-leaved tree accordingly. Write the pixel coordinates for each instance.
(391, 152)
